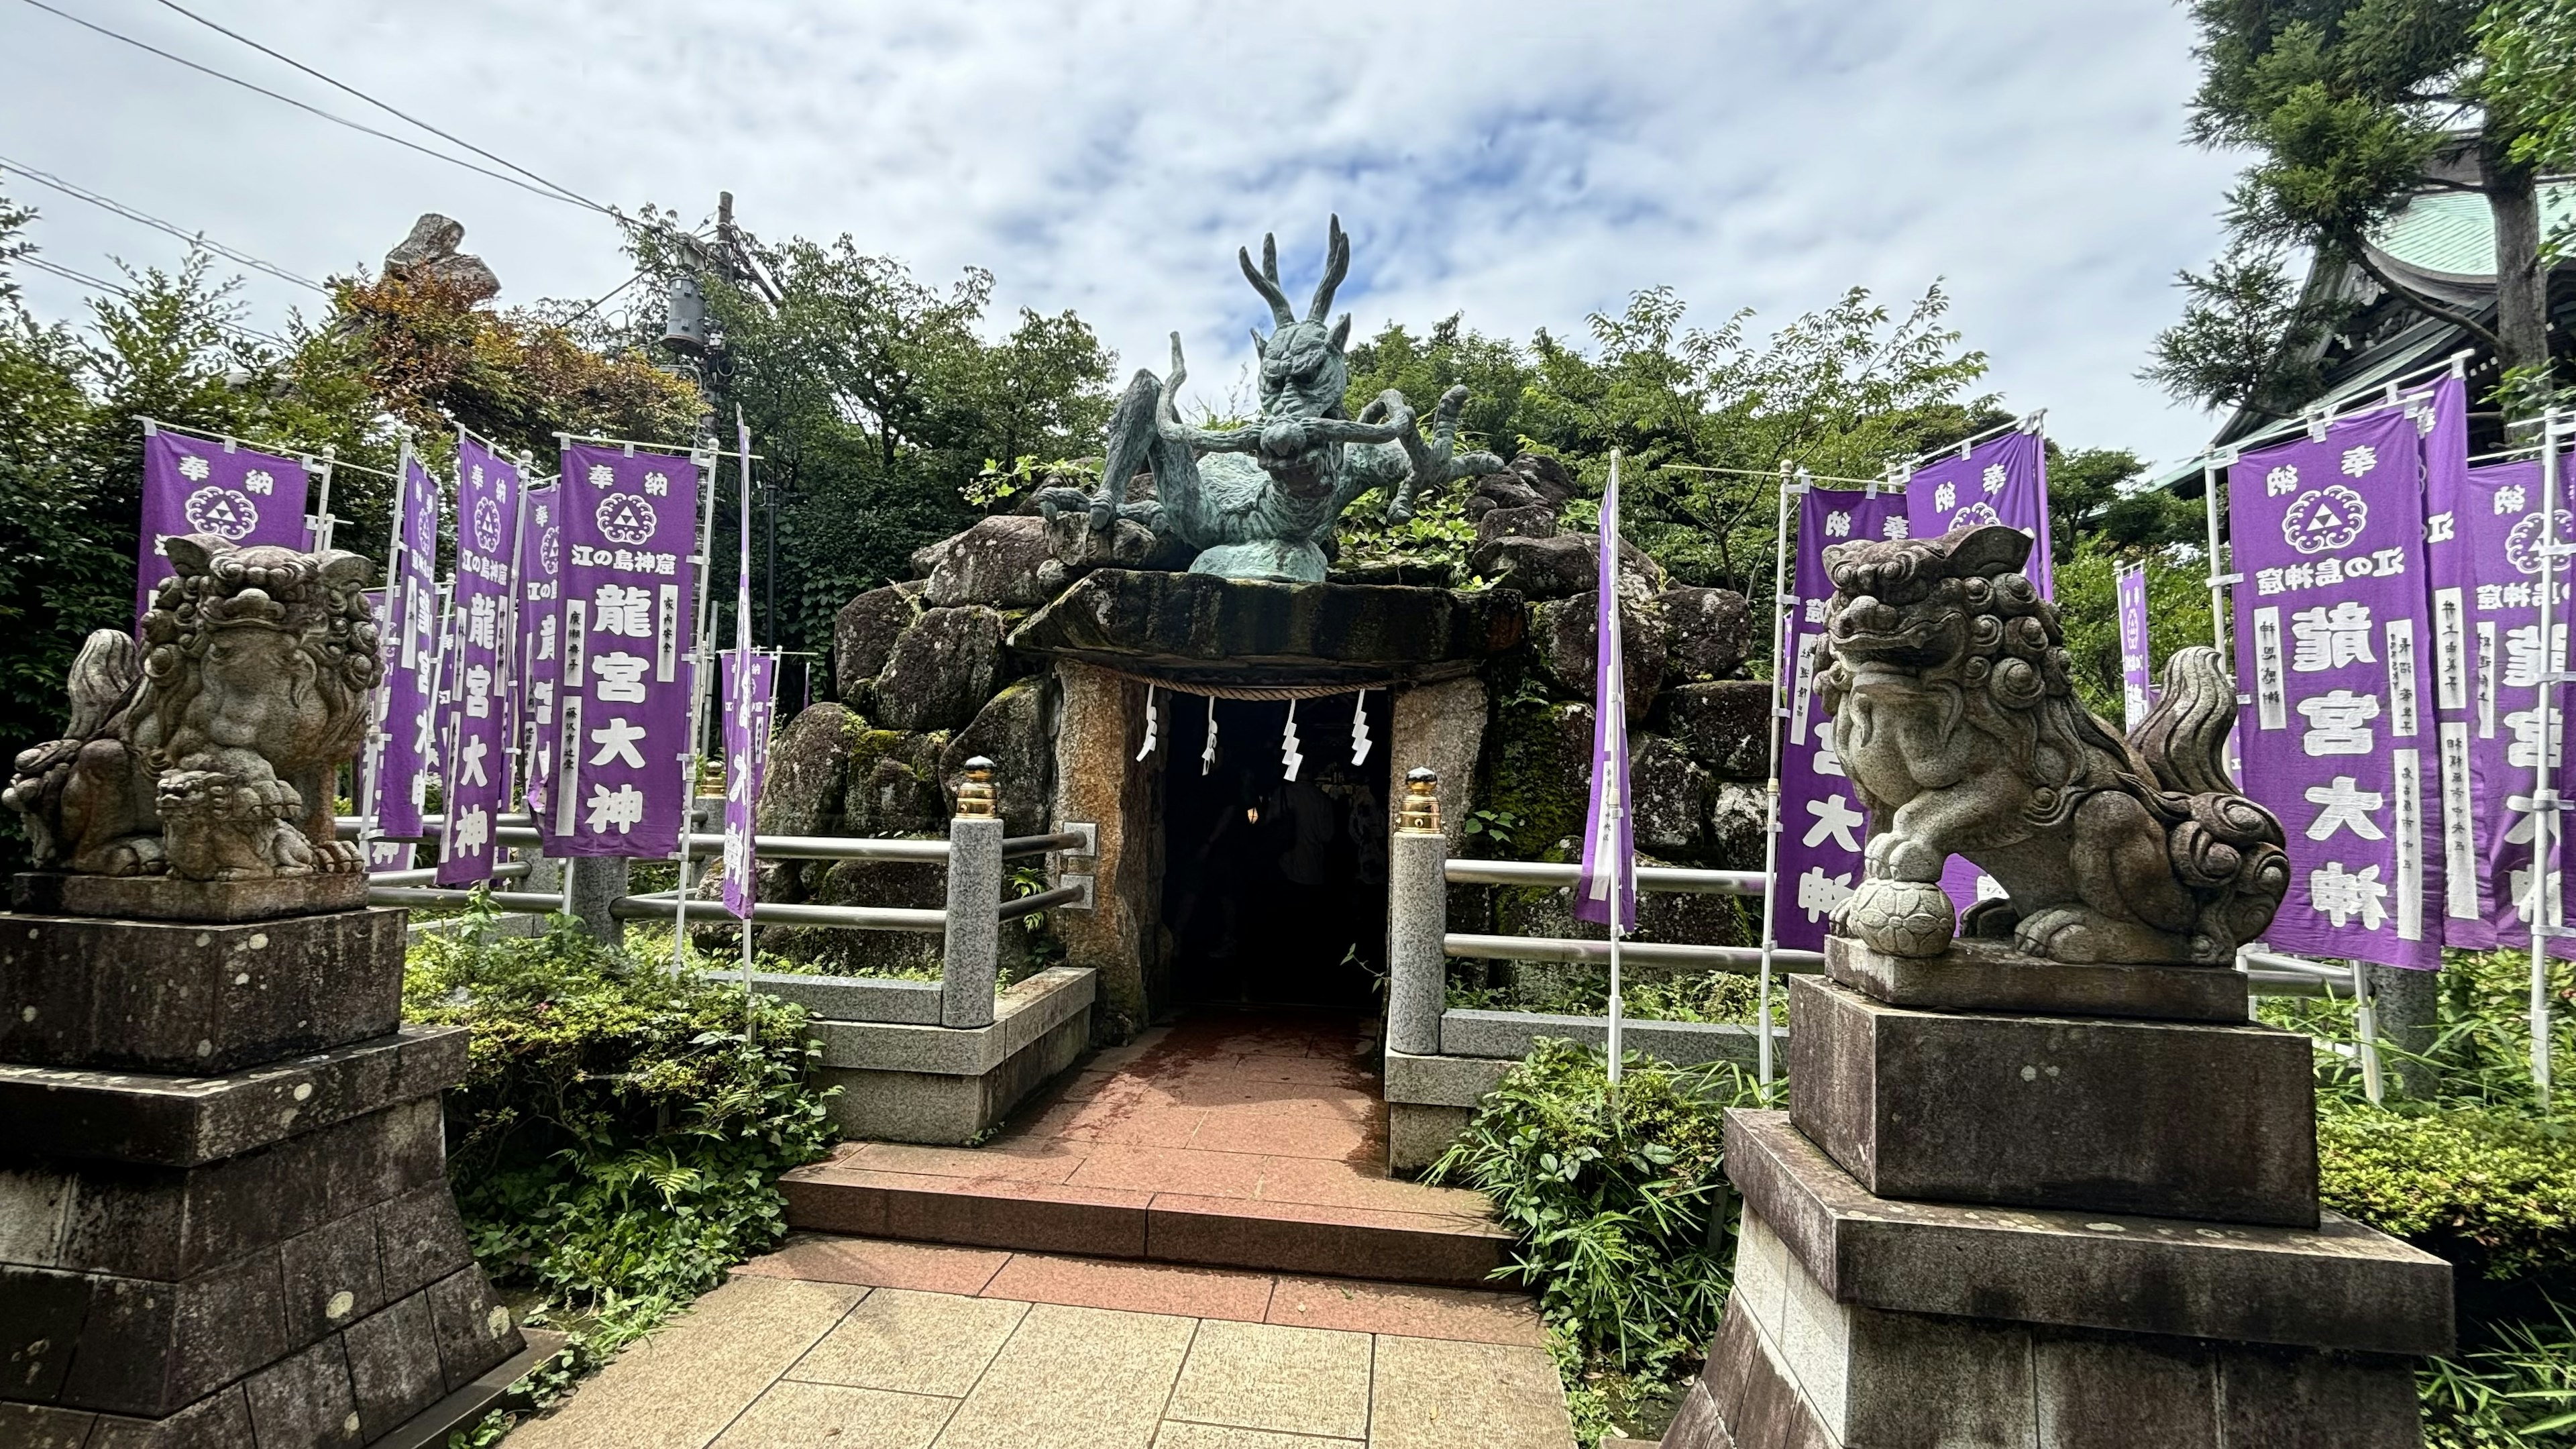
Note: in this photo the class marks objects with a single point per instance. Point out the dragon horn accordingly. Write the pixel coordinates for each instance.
(1266, 280)
(1337, 265)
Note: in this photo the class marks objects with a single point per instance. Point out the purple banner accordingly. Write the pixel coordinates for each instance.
(403, 744)
(622, 729)
(1609, 870)
(2484, 532)
(381, 854)
(540, 587)
(478, 772)
(194, 485)
(2331, 644)
(1823, 826)
(2001, 480)
(2137, 677)
(750, 706)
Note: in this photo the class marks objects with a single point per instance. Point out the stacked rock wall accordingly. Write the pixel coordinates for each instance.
(927, 678)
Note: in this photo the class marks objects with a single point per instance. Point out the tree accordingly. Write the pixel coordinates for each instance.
(2246, 337)
(879, 404)
(2347, 104)
(1839, 391)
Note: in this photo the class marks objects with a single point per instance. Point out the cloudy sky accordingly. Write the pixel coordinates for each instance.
(1524, 163)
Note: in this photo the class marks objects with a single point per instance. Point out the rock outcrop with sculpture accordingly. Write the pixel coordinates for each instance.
(1955, 717)
(1259, 501)
(209, 753)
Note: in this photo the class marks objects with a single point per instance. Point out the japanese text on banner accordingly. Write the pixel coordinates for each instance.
(2340, 740)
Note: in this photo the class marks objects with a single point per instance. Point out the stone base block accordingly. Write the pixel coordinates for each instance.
(197, 999)
(2340, 1286)
(144, 1289)
(2168, 1119)
(172, 898)
(190, 1121)
(1819, 1375)
(1990, 976)
(886, 1104)
(1416, 1135)
(384, 1382)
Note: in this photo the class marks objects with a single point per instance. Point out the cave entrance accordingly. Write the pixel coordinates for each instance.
(1274, 890)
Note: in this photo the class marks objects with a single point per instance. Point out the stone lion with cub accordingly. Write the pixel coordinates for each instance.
(1955, 716)
(209, 752)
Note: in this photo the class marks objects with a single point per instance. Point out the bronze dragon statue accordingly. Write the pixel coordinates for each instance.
(1954, 715)
(1260, 501)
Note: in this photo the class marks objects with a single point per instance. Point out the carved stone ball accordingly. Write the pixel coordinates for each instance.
(1902, 917)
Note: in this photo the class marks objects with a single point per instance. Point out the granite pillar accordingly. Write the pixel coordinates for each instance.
(224, 1214)
(2018, 1203)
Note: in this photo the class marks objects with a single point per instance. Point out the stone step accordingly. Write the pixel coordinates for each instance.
(1366, 1227)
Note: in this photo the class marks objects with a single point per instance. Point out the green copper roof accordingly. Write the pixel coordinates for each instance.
(2451, 233)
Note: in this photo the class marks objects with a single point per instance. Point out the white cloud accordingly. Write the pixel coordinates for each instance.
(1524, 163)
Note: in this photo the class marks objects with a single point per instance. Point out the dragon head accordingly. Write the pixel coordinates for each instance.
(1304, 374)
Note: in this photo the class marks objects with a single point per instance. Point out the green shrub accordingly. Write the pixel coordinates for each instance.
(2492, 1191)
(616, 1142)
(1625, 1222)
(2516, 1392)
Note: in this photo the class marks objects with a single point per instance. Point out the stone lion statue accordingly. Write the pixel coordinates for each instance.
(1955, 717)
(209, 753)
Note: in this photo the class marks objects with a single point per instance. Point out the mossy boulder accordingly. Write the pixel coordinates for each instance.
(809, 766)
(863, 635)
(1565, 636)
(1712, 631)
(1725, 725)
(941, 670)
(1011, 731)
(1537, 770)
(1670, 794)
(894, 783)
(1537, 520)
(1006, 561)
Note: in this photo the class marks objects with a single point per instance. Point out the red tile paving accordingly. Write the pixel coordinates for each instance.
(1353, 1305)
(1248, 1140)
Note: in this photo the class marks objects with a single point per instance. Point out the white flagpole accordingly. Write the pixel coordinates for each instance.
(698, 681)
(1782, 628)
(751, 747)
(1614, 712)
(2544, 913)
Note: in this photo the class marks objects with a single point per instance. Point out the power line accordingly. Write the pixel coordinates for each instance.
(103, 285)
(382, 106)
(311, 109)
(196, 238)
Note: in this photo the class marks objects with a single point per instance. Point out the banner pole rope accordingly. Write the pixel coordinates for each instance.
(1781, 624)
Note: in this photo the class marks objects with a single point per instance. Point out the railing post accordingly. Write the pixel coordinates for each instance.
(591, 883)
(972, 954)
(1417, 918)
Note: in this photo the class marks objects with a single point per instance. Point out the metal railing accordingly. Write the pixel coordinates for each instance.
(969, 924)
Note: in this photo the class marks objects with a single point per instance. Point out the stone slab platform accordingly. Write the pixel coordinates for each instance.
(172, 898)
(1198, 626)
(198, 999)
(1247, 1141)
(1989, 976)
(167, 1121)
(2341, 1286)
(2101, 1114)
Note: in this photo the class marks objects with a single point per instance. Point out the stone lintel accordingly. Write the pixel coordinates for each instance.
(2087, 1114)
(2341, 1286)
(1976, 975)
(199, 999)
(174, 898)
(1203, 628)
(167, 1121)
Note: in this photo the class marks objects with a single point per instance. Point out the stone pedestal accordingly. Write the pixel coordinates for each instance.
(1980, 1227)
(262, 1253)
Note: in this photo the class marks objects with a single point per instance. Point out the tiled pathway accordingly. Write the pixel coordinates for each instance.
(1243, 1139)
(853, 1343)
